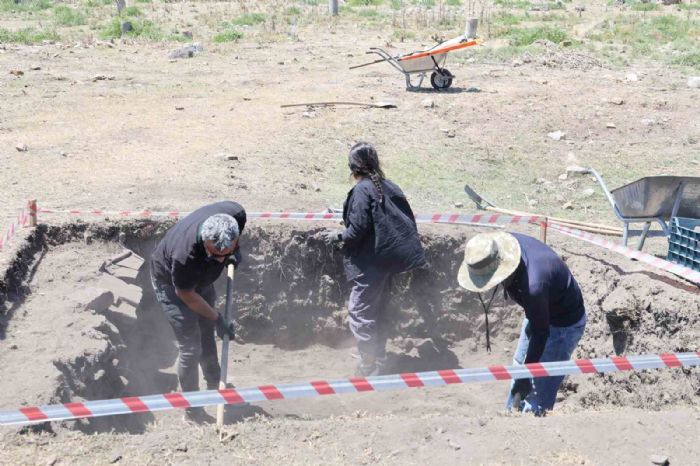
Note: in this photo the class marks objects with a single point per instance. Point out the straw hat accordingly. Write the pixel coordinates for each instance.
(489, 258)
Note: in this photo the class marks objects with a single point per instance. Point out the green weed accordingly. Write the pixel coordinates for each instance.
(526, 36)
(293, 11)
(508, 19)
(143, 29)
(425, 3)
(453, 2)
(368, 13)
(522, 4)
(9, 6)
(67, 16)
(132, 11)
(27, 36)
(249, 19)
(228, 35)
(365, 2)
(645, 6)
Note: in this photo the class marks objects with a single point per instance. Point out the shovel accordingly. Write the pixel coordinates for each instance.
(224, 345)
(484, 204)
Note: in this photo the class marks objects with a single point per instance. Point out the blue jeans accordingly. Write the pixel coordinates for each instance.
(560, 346)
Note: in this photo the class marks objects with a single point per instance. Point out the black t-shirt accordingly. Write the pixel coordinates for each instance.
(180, 259)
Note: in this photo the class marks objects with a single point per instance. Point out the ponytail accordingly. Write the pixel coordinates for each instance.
(364, 161)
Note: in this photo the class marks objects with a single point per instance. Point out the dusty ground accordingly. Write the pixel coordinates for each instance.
(174, 135)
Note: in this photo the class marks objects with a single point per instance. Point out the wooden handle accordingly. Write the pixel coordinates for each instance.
(586, 226)
(224, 344)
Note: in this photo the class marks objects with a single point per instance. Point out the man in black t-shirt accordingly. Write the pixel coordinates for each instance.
(184, 266)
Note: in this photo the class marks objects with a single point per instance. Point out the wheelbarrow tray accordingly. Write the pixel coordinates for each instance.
(425, 60)
(654, 196)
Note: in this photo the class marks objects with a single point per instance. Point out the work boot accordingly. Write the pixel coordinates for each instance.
(370, 366)
(197, 416)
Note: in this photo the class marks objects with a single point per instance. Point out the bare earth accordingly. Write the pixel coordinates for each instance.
(174, 135)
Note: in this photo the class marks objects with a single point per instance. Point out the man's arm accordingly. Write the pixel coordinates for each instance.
(194, 301)
(537, 312)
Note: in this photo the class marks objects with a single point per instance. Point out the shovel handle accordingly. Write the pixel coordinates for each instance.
(224, 344)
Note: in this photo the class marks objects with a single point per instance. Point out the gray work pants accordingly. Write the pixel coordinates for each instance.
(367, 308)
(194, 335)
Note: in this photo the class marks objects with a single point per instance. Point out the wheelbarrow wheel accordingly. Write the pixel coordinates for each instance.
(441, 79)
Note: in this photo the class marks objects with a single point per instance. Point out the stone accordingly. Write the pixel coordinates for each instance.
(661, 460)
(126, 27)
(694, 82)
(610, 125)
(17, 72)
(188, 51)
(568, 206)
(226, 157)
(566, 43)
(532, 202)
(102, 77)
(616, 101)
(631, 77)
(557, 135)
(459, 205)
(563, 177)
(35, 68)
(588, 192)
(21, 147)
(94, 299)
(648, 121)
(428, 103)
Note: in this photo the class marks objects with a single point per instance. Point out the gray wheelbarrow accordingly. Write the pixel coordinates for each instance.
(651, 199)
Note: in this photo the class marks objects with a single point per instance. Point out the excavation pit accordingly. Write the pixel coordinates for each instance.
(70, 332)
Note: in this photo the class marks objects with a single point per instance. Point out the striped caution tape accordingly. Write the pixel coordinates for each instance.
(659, 263)
(139, 404)
(459, 219)
(21, 220)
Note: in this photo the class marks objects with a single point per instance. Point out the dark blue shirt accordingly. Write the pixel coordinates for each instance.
(543, 285)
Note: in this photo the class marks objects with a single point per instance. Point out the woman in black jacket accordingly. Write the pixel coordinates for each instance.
(380, 239)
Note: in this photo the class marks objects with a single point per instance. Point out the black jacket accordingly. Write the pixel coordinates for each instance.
(379, 234)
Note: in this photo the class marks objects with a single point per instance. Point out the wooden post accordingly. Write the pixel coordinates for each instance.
(472, 24)
(543, 231)
(333, 7)
(224, 345)
(32, 213)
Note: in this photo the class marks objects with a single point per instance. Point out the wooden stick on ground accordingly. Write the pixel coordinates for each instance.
(224, 345)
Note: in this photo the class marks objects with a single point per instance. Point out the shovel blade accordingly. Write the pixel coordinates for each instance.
(478, 200)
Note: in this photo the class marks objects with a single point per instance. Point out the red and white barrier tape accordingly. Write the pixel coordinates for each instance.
(659, 263)
(139, 404)
(471, 219)
(21, 220)
(494, 220)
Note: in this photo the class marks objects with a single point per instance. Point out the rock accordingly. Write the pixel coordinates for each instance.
(459, 205)
(566, 43)
(428, 103)
(588, 192)
(52, 460)
(563, 177)
(557, 135)
(102, 77)
(17, 72)
(35, 68)
(22, 147)
(631, 77)
(694, 82)
(532, 202)
(227, 157)
(126, 27)
(187, 34)
(660, 460)
(616, 101)
(63, 153)
(179, 108)
(568, 206)
(115, 459)
(610, 125)
(187, 51)
(648, 121)
(473, 89)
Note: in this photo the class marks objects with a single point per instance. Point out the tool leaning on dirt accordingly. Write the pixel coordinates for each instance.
(380, 240)
(184, 266)
(533, 276)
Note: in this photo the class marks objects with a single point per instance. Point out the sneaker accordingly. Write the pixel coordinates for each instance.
(197, 416)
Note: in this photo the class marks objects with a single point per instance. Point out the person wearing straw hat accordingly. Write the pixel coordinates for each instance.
(537, 279)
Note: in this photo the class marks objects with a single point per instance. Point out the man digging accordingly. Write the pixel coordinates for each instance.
(184, 266)
(533, 276)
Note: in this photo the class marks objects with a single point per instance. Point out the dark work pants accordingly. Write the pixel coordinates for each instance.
(194, 335)
(367, 308)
